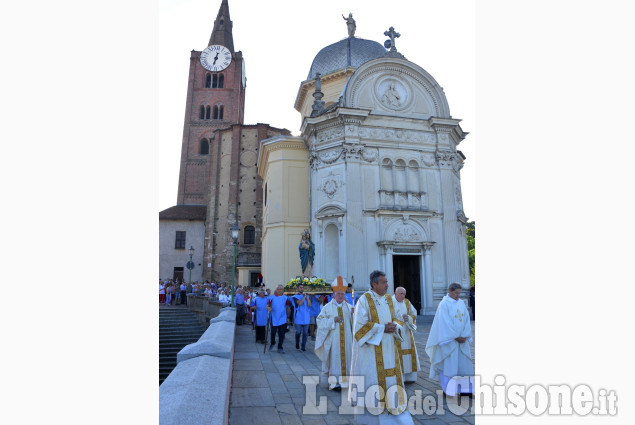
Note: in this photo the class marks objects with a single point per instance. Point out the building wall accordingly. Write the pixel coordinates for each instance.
(283, 164)
(169, 257)
(235, 196)
(244, 274)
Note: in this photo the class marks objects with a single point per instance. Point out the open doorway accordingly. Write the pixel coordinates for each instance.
(178, 274)
(406, 271)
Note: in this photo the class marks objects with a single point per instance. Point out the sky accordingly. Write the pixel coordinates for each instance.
(279, 47)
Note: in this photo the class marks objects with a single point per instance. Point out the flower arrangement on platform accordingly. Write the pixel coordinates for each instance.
(312, 285)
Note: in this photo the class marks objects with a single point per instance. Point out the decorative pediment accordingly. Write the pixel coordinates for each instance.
(394, 86)
(330, 211)
(406, 234)
(405, 229)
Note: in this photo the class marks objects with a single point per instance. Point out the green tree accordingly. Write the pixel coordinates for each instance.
(470, 234)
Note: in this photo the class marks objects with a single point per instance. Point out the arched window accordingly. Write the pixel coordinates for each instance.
(201, 115)
(250, 235)
(214, 81)
(203, 147)
(207, 112)
(218, 112)
(385, 174)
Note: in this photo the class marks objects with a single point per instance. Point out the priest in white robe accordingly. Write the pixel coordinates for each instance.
(376, 356)
(333, 344)
(406, 316)
(448, 344)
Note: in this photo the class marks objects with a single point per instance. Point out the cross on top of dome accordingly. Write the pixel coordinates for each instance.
(391, 43)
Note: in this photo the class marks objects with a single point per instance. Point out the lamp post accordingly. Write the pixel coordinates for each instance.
(190, 265)
(235, 231)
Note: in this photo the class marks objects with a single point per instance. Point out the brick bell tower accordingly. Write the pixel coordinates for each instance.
(215, 100)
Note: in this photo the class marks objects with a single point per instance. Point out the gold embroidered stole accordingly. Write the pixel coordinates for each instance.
(408, 306)
(382, 372)
(411, 350)
(340, 313)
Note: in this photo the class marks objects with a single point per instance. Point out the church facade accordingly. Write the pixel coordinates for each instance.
(383, 173)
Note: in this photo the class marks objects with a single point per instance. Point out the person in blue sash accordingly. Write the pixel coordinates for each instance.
(302, 316)
(239, 303)
(278, 305)
(259, 306)
(314, 312)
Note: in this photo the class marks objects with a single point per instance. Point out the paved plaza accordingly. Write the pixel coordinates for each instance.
(267, 388)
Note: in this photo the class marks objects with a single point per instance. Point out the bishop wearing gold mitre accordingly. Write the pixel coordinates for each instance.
(333, 344)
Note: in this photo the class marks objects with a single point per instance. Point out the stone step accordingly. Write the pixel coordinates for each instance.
(168, 348)
(181, 315)
(173, 338)
(177, 338)
(173, 323)
(168, 320)
(185, 314)
(175, 342)
(184, 332)
(178, 327)
(174, 313)
(179, 321)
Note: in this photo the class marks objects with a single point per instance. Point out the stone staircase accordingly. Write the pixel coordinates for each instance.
(177, 327)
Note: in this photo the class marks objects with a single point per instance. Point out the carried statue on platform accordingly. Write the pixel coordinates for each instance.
(307, 253)
(350, 24)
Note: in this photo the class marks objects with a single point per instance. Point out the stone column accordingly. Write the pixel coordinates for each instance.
(428, 307)
(388, 271)
(452, 240)
(423, 189)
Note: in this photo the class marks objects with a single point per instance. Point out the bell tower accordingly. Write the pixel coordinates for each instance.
(215, 100)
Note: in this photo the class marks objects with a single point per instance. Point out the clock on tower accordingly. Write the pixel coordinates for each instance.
(216, 58)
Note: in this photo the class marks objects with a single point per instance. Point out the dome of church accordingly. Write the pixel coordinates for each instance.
(351, 51)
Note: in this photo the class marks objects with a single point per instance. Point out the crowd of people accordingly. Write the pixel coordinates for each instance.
(174, 292)
(369, 335)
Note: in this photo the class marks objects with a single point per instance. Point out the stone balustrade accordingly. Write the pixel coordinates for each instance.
(198, 389)
(204, 308)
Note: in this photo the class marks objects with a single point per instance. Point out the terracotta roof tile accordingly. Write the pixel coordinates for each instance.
(184, 212)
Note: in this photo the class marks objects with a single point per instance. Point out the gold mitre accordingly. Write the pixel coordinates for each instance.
(339, 284)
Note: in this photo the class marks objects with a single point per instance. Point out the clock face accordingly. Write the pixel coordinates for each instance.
(216, 58)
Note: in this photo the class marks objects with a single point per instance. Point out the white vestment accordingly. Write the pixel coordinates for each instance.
(376, 358)
(407, 348)
(333, 344)
(449, 358)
